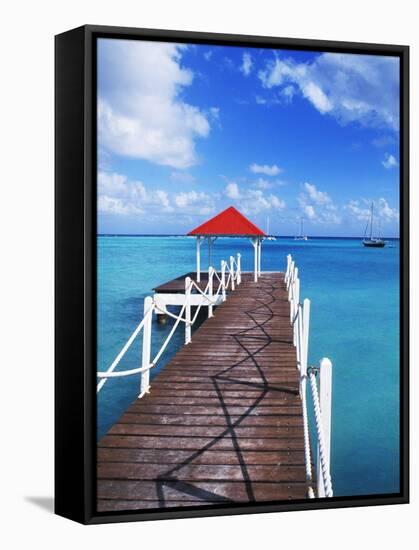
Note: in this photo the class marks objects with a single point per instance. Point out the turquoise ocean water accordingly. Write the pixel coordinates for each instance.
(354, 295)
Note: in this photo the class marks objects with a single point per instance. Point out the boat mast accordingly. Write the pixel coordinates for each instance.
(372, 217)
(267, 226)
(302, 228)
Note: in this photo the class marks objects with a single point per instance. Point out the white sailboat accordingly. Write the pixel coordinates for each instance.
(301, 236)
(371, 241)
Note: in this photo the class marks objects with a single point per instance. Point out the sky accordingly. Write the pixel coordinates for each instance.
(184, 131)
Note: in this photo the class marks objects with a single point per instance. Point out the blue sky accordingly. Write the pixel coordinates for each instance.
(185, 131)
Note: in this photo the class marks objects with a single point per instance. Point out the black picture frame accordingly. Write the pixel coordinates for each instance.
(75, 270)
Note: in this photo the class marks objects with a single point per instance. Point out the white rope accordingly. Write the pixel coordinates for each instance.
(296, 322)
(198, 309)
(322, 452)
(218, 277)
(108, 373)
(170, 314)
(307, 453)
(213, 302)
(160, 353)
(234, 275)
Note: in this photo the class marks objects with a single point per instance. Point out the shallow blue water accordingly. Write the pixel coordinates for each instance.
(354, 293)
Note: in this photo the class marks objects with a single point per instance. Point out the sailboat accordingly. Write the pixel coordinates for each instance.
(269, 237)
(301, 236)
(372, 242)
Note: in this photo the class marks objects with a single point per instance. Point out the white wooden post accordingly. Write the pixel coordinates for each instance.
(198, 259)
(188, 328)
(223, 279)
(294, 277)
(259, 254)
(325, 398)
(146, 353)
(287, 272)
(298, 336)
(210, 290)
(233, 286)
(209, 252)
(254, 242)
(290, 277)
(295, 309)
(305, 334)
(239, 269)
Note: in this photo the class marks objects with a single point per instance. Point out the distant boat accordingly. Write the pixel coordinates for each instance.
(301, 236)
(269, 237)
(372, 242)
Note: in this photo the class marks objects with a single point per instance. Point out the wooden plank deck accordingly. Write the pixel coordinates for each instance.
(178, 285)
(223, 422)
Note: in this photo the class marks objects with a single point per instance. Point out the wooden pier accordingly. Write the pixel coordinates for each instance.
(223, 422)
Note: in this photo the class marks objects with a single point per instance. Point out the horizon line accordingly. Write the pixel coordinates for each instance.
(229, 236)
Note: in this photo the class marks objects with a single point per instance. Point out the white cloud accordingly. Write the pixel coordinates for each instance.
(215, 112)
(386, 212)
(362, 88)
(208, 55)
(361, 210)
(389, 161)
(141, 113)
(261, 183)
(253, 201)
(319, 197)
(288, 93)
(261, 100)
(318, 98)
(247, 64)
(118, 195)
(182, 177)
(317, 205)
(164, 200)
(309, 211)
(232, 190)
(201, 202)
(265, 169)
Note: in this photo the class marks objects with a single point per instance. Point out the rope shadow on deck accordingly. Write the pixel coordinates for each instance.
(167, 478)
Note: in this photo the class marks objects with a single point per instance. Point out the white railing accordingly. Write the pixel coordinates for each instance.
(321, 398)
(229, 277)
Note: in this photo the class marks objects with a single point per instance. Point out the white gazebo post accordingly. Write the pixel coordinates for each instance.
(209, 252)
(198, 259)
(228, 223)
(255, 246)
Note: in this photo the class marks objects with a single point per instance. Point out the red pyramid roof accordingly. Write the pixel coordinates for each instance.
(229, 222)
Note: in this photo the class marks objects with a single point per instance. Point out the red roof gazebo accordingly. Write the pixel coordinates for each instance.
(228, 223)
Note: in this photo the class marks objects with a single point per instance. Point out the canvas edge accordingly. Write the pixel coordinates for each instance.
(79, 490)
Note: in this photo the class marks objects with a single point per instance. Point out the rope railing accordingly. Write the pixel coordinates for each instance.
(322, 451)
(322, 404)
(209, 299)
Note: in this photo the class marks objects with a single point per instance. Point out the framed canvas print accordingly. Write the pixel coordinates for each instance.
(231, 274)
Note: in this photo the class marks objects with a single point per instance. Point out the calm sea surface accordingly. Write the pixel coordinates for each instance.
(354, 295)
